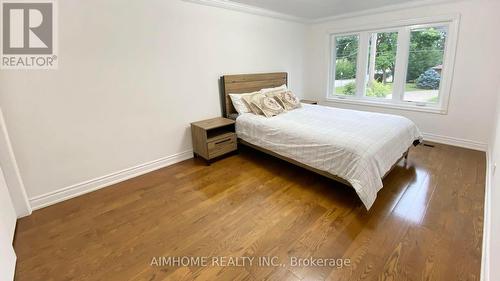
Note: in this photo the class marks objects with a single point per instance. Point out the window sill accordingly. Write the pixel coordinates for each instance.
(374, 103)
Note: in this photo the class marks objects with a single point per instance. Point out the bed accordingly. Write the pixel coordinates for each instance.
(356, 148)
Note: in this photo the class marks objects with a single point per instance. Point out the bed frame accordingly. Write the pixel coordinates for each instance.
(246, 83)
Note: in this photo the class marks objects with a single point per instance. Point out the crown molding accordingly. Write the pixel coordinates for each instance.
(383, 9)
(226, 4)
(230, 5)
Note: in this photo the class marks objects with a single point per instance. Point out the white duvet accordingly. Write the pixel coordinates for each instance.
(358, 146)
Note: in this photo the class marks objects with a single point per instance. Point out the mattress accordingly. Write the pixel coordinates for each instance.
(360, 147)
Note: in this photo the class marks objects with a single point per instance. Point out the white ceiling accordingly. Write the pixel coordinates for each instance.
(316, 9)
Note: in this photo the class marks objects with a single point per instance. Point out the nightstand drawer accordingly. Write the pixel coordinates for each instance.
(221, 145)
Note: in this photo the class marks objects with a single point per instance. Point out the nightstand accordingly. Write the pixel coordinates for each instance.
(309, 101)
(213, 138)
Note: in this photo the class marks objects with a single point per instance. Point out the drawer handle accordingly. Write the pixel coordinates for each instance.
(223, 141)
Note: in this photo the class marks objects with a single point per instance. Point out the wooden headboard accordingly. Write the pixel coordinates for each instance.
(247, 83)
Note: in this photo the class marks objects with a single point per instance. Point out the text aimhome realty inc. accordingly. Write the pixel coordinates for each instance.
(247, 261)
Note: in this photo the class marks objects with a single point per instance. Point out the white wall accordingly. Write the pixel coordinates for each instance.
(493, 216)
(7, 229)
(10, 170)
(132, 76)
(470, 114)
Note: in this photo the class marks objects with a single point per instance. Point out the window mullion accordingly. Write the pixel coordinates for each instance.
(401, 64)
(362, 64)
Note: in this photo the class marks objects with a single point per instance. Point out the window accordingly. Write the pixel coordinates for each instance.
(346, 50)
(382, 49)
(425, 64)
(403, 65)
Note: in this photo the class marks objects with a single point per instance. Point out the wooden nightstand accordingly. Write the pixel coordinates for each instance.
(309, 101)
(213, 137)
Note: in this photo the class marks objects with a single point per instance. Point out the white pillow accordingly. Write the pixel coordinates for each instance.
(280, 88)
(239, 104)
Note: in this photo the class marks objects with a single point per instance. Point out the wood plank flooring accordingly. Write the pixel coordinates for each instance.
(425, 225)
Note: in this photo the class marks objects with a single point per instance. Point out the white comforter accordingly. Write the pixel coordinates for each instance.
(357, 146)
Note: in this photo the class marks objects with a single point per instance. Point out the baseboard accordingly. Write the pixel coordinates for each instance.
(78, 189)
(485, 257)
(456, 142)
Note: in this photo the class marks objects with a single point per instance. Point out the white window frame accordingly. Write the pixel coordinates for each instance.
(403, 28)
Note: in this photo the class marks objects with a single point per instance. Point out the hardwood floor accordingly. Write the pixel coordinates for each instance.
(425, 225)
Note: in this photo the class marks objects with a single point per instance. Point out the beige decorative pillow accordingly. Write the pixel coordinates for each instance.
(290, 101)
(239, 103)
(264, 105)
(277, 96)
(253, 108)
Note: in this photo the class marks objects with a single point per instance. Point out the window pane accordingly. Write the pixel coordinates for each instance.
(381, 64)
(425, 64)
(345, 64)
